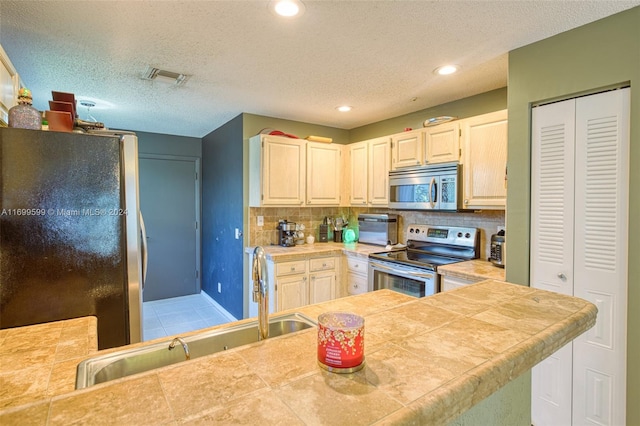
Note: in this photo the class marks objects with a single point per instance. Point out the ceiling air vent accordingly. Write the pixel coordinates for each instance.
(170, 77)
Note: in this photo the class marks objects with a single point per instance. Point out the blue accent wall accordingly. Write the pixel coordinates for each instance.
(222, 208)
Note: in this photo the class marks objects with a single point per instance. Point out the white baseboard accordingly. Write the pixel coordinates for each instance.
(224, 312)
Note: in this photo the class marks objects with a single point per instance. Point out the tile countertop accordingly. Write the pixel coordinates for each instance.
(283, 254)
(476, 269)
(40, 361)
(427, 361)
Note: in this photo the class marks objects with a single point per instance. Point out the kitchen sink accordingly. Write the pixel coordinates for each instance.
(124, 363)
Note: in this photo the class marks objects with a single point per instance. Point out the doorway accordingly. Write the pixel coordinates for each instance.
(169, 202)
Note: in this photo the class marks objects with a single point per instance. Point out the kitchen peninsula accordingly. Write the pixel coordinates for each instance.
(428, 361)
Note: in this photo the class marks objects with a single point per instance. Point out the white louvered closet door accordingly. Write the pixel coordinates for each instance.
(593, 263)
(552, 191)
(601, 255)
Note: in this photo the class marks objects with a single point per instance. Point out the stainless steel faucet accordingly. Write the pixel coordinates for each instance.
(261, 291)
(185, 347)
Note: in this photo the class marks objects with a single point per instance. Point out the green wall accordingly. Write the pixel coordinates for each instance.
(597, 55)
(494, 100)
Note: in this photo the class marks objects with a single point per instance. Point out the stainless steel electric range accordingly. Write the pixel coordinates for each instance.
(414, 269)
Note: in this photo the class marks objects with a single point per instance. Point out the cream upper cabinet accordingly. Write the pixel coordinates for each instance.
(442, 143)
(369, 171)
(358, 173)
(324, 169)
(379, 164)
(407, 148)
(277, 171)
(484, 154)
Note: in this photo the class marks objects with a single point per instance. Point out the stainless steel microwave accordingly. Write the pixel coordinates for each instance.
(434, 187)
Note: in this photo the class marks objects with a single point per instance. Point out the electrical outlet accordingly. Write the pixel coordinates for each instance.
(219, 287)
(260, 220)
(502, 228)
(238, 234)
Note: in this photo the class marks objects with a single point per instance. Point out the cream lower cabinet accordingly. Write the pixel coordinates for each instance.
(356, 277)
(303, 282)
(323, 276)
(484, 159)
(451, 283)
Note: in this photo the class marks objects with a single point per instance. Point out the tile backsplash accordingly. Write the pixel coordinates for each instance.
(487, 220)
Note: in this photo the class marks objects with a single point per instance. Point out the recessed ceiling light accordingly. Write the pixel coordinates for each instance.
(344, 108)
(446, 69)
(287, 8)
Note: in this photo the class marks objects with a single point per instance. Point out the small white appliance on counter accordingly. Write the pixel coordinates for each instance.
(413, 270)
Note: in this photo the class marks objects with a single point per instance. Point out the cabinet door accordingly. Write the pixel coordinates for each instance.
(379, 164)
(356, 283)
(292, 292)
(358, 161)
(442, 143)
(323, 174)
(322, 286)
(283, 171)
(485, 161)
(407, 149)
(451, 283)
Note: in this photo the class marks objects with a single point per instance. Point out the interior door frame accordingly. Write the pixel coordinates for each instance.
(198, 197)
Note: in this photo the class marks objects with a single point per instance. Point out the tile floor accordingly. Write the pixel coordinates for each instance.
(161, 318)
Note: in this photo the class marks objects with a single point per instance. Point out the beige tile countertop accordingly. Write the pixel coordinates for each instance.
(428, 360)
(40, 361)
(283, 254)
(476, 269)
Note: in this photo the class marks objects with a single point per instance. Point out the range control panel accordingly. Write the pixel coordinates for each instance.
(457, 236)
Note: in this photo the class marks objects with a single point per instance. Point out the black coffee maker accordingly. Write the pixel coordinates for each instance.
(286, 233)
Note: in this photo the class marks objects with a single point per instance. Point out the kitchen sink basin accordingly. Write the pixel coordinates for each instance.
(124, 363)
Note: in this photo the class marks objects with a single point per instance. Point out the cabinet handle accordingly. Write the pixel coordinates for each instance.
(356, 266)
(466, 201)
(355, 286)
(293, 268)
(562, 276)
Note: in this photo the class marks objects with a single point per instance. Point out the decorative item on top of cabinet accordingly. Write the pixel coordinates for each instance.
(442, 143)
(407, 148)
(277, 171)
(484, 158)
(370, 162)
(324, 168)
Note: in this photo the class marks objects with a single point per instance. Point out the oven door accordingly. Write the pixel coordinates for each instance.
(405, 279)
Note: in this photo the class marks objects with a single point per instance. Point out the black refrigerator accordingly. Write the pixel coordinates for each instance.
(70, 231)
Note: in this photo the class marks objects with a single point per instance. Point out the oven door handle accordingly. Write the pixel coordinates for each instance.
(427, 275)
(432, 202)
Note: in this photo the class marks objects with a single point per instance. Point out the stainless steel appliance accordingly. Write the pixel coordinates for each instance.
(436, 187)
(414, 270)
(70, 235)
(286, 233)
(498, 249)
(378, 229)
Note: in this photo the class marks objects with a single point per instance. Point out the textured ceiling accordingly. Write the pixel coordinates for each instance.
(377, 56)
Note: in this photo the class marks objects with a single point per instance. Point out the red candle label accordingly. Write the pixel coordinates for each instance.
(340, 339)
